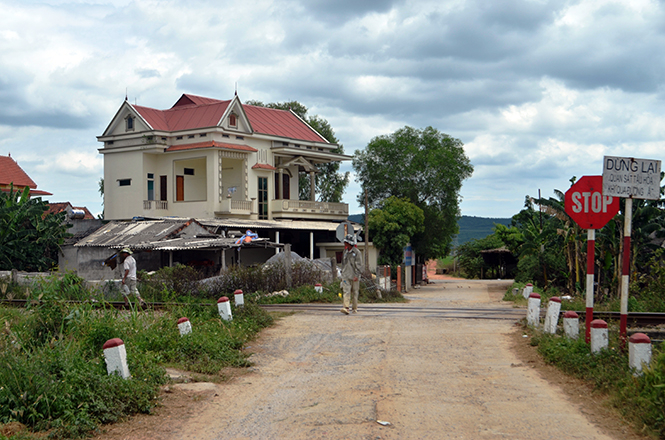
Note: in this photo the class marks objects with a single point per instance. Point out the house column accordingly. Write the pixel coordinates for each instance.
(312, 186)
(280, 184)
(276, 241)
(311, 245)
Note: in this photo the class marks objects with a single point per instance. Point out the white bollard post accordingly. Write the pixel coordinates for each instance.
(115, 356)
(239, 298)
(571, 324)
(184, 326)
(533, 310)
(552, 317)
(639, 352)
(528, 290)
(599, 336)
(318, 287)
(224, 308)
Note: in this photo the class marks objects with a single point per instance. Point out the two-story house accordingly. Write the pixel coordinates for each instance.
(224, 163)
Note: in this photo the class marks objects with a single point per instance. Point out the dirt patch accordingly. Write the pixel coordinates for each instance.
(596, 405)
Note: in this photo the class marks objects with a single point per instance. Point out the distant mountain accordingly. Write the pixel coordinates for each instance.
(470, 228)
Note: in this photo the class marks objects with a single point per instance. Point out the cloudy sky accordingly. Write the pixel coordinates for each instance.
(538, 91)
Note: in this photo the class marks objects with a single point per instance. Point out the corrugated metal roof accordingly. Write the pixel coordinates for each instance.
(162, 234)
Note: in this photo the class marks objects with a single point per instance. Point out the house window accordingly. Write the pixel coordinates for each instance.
(130, 123)
(151, 186)
(124, 182)
(226, 136)
(188, 171)
(191, 136)
(203, 135)
(233, 121)
(240, 137)
(263, 198)
(178, 138)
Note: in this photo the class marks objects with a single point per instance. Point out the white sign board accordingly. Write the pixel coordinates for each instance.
(630, 177)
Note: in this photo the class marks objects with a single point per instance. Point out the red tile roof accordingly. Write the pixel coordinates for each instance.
(264, 166)
(211, 144)
(10, 172)
(54, 208)
(192, 112)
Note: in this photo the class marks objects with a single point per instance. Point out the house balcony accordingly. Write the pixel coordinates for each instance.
(149, 205)
(232, 207)
(305, 209)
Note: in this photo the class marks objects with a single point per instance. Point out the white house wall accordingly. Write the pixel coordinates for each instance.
(120, 202)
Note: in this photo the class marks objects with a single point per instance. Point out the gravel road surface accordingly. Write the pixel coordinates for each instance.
(374, 375)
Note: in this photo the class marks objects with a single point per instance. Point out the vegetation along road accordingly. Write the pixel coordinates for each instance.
(385, 375)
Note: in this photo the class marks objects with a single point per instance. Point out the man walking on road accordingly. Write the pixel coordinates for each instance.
(129, 277)
(352, 263)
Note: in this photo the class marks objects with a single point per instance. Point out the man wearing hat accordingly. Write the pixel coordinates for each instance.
(129, 277)
(352, 263)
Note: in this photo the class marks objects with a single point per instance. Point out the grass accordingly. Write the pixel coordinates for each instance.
(53, 376)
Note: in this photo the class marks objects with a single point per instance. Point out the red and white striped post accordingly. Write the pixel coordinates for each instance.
(239, 298)
(590, 263)
(224, 308)
(184, 326)
(115, 356)
(639, 352)
(625, 272)
(571, 324)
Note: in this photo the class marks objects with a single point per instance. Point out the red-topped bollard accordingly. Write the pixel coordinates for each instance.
(184, 326)
(115, 356)
(571, 324)
(599, 336)
(318, 288)
(639, 352)
(224, 308)
(533, 310)
(528, 290)
(239, 298)
(552, 317)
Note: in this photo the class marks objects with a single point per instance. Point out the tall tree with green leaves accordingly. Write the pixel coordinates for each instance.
(426, 167)
(29, 240)
(393, 226)
(330, 183)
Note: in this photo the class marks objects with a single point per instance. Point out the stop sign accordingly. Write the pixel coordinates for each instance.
(586, 204)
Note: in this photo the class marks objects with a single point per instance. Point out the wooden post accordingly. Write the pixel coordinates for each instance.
(333, 266)
(287, 264)
(399, 278)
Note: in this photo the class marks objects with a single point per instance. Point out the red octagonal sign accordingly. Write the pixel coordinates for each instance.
(586, 204)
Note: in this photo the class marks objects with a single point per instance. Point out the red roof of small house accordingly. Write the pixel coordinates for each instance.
(54, 208)
(264, 166)
(11, 172)
(193, 112)
(211, 144)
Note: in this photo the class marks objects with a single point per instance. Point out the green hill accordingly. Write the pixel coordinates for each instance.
(469, 227)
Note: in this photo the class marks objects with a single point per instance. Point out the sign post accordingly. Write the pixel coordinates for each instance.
(629, 178)
(591, 210)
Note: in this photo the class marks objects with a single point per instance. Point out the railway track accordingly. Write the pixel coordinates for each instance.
(635, 319)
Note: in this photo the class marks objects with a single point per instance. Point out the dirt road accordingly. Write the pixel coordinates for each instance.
(326, 375)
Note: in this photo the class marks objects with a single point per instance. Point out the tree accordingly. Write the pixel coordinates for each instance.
(426, 167)
(393, 225)
(330, 183)
(29, 240)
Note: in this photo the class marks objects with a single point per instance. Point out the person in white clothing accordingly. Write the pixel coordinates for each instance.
(129, 277)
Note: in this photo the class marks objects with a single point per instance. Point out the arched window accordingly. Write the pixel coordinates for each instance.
(130, 123)
(233, 120)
